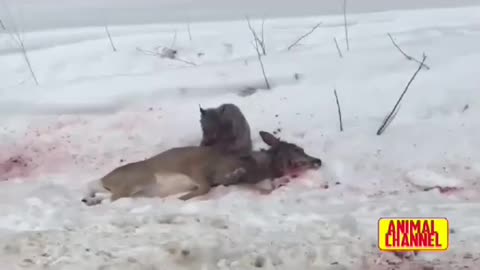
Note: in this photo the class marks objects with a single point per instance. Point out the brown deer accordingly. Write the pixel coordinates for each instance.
(196, 169)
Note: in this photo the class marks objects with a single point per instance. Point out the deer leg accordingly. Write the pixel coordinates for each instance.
(92, 200)
(201, 189)
(230, 178)
(118, 194)
(203, 186)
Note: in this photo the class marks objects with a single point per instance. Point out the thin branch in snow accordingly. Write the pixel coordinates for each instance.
(184, 61)
(2, 25)
(16, 37)
(152, 53)
(110, 38)
(338, 48)
(267, 84)
(147, 52)
(339, 110)
(263, 37)
(345, 23)
(189, 33)
(387, 120)
(304, 36)
(258, 41)
(19, 40)
(27, 60)
(259, 55)
(394, 111)
(404, 54)
(14, 33)
(174, 39)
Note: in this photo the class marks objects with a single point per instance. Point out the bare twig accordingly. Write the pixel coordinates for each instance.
(263, 37)
(189, 33)
(147, 52)
(267, 84)
(339, 110)
(345, 22)
(27, 60)
(338, 47)
(259, 55)
(16, 37)
(389, 118)
(258, 41)
(184, 61)
(406, 55)
(304, 36)
(110, 38)
(174, 40)
(152, 53)
(19, 40)
(2, 25)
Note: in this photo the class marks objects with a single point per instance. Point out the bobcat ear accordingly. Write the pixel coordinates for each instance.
(202, 111)
(222, 109)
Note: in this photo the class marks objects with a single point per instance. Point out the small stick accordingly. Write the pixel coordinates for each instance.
(110, 38)
(263, 68)
(304, 36)
(263, 38)
(185, 61)
(339, 110)
(345, 21)
(15, 35)
(189, 33)
(338, 48)
(256, 38)
(2, 25)
(389, 120)
(394, 110)
(148, 52)
(406, 55)
(259, 55)
(27, 60)
(174, 40)
(20, 43)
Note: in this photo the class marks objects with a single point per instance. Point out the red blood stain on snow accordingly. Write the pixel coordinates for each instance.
(49, 146)
(39, 149)
(15, 166)
(23, 161)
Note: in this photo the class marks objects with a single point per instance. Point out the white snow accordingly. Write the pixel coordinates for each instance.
(96, 109)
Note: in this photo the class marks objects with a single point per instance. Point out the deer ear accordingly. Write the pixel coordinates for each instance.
(268, 138)
(202, 111)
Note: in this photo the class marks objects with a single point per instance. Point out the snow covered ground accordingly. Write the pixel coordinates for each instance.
(96, 109)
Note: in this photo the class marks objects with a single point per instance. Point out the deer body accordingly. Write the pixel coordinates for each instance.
(196, 169)
(189, 169)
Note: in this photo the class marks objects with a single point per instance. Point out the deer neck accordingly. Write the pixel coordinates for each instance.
(264, 164)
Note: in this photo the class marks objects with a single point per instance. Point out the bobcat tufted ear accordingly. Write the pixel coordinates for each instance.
(222, 109)
(202, 111)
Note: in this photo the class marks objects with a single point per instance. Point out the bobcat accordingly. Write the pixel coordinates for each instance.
(226, 129)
